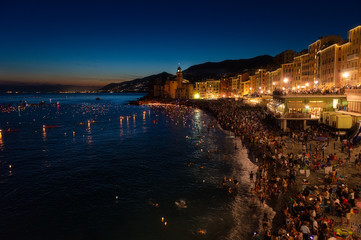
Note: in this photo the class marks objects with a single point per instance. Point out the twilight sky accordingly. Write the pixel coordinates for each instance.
(97, 42)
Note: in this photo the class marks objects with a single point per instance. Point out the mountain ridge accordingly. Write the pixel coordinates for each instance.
(195, 73)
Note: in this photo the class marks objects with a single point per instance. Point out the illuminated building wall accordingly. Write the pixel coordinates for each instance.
(297, 68)
(226, 87)
(287, 75)
(246, 87)
(213, 88)
(235, 85)
(208, 89)
(306, 71)
(313, 64)
(329, 64)
(275, 78)
(350, 57)
(260, 80)
(201, 89)
(252, 84)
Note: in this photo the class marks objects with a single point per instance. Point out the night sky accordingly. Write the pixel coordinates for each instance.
(98, 42)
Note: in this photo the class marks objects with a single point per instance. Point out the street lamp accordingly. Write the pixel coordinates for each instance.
(316, 82)
(285, 80)
(345, 75)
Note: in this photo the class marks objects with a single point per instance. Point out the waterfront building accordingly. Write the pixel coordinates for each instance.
(260, 81)
(184, 89)
(246, 87)
(285, 57)
(170, 88)
(200, 90)
(303, 109)
(235, 85)
(275, 79)
(252, 84)
(297, 67)
(329, 65)
(350, 57)
(174, 88)
(208, 89)
(226, 87)
(353, 108)
(287, 76)
(213, 88)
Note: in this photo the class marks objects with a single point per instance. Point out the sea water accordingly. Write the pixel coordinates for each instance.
(80, 168)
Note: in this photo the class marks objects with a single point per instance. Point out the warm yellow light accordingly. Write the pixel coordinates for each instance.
(283, 88)
(316, 82)
(345, 75)
(273, 83)
(293, 88)
(250, 88)
(196, 96)
(307, 84)
(285, 80)
(260, 88)
(307, 107)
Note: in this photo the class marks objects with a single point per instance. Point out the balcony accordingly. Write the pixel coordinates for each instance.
(352, 57)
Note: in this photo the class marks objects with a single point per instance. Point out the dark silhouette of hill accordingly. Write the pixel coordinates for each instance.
(137, 85)
(228, 67)
(195, 73)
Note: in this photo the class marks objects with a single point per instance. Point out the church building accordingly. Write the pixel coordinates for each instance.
(177, 88)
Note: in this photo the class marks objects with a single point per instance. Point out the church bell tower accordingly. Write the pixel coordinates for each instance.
(179, 76)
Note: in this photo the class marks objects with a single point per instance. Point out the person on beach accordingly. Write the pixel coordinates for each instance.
(265, 222)
(305, 231)
(261, 199)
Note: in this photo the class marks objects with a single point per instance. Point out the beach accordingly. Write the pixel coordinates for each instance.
(309, 178)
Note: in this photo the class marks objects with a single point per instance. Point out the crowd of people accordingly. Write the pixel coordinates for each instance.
(308, 214)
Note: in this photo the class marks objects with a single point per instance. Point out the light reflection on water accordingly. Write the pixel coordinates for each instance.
(67, 178)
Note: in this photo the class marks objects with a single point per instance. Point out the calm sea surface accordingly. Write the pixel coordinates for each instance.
(104, 166)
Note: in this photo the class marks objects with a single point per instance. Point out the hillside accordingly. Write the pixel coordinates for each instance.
(230, 67)
(196, 73)
(136, 85)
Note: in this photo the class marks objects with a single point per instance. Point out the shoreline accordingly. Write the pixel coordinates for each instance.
(286, 146)
(251, 155)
